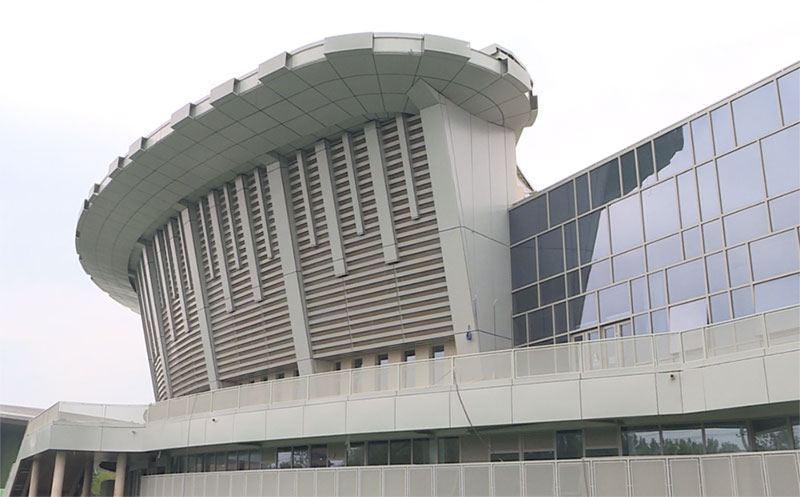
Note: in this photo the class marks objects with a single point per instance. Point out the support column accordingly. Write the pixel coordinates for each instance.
(58, 474)
(87, 478)
(119, 480)
(33, 488)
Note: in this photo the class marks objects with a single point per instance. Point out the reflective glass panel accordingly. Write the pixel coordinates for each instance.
(562, 203)
(789, 88)
(701, 137)
(569, 444)
(523, 263)
(689, 316)
(778, 293)
(400, 452)
(723, 130)
(524, 300)
(740, 180)
(448, 450)
(629, 264)
(605, 183)
(641, 441)
(738, 266)
(582, 311)
(756, 114)
(593, 235)
(746, 224)
(720, 308)
(785, 211)
(687, 193)
(422, 451)
(639, 294)
(664, 252)
(774, 255)
(573, 283)
(560, 317)
(644, 160)
(571, 244)
(551, 253)
(628, 164)
(582, 193)
(660, 205)
(691, 243)
(528, 219)
(540, 324)
(682, 440)
(795, 421)
(772, 434)
(659, 319)
(552, 290)
(641, 324)
(673, 152)
(742, 302)
(626, 224)
(712, 236)
(707, 184)
(597, 275)
(355, 454)
(614, 303)
(658, 295)
(520, 330)
(378, 453)
(686, 281)
(319, 456)
(781, 153)
(717, 273)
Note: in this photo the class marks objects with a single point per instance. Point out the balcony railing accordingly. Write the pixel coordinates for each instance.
(646, 351)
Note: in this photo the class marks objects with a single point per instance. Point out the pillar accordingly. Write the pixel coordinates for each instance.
(119, 480)
(33, 488)
(58, 474)
(86, 488)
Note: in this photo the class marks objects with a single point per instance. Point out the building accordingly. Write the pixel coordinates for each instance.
(333, 258)
(13, 421)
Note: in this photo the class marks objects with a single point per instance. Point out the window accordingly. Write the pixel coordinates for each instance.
(337, 366)
(775, 255)
(437, 351)
(409, 356)
(357, 363)
(658, 295)
(628, 164)
(707, 187)
(746, 224)
(448, 450)
(593, 234)
(660, 204)
(717, 274)
(723, 129)
(300, 457)
(687, 193)
(582, 311)
(596, 276)
(569, 444)
(756, 113)
(701, 137)
(781, 153)
(528, 219)
(523, 264)
(628, 265)
(541, 324)
(742, 302)
(355, 454)
(785, 211)
(781, 292)
(673, 152)
(626, 224)
(605, 183)
(319, 456)
(691, 243)
(562, 203)
(689, 316)
(377, 453)
(682, 440)
(552, 290)
(772, 434)
(664, 252)
(644, 159)
(525, 299)
(686, 281)
(789, 87)
(551, 253)
(712, 236)
(740, 180)
(727, 437)
(582, 193)
(423, 451)
(284, 457)
(400, 452)
(614, 303)
(720, 308)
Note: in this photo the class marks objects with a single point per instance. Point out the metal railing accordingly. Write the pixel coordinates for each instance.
(644, 351)
(80, 412)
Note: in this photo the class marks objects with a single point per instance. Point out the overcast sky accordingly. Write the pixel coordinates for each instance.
(80, 81)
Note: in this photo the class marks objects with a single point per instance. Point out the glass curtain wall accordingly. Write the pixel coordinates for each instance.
(697, 225)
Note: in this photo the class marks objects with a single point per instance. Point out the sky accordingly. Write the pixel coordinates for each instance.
(79, 81)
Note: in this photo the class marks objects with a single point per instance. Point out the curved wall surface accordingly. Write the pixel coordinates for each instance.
(346, 198)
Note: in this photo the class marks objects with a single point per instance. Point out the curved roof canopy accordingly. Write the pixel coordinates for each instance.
(288, 103)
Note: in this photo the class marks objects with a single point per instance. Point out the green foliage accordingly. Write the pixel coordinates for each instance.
(100, 476)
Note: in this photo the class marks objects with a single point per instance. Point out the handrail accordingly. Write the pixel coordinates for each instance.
(753, 332)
